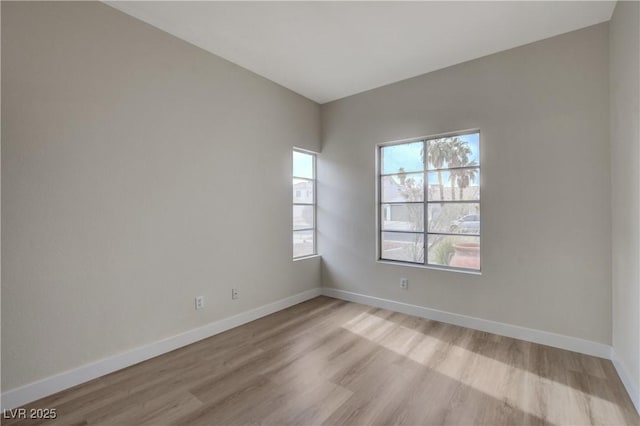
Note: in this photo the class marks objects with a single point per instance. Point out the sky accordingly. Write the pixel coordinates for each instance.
(302, 164)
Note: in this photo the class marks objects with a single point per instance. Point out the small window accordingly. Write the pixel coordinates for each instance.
(429, 201)
(304, 204)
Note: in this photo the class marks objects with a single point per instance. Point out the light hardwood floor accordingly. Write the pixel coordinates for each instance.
(332, 362)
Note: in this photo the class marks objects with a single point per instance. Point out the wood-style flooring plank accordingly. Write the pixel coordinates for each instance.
(330, 362)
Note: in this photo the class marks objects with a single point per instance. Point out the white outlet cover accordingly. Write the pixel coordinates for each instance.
(199, 302)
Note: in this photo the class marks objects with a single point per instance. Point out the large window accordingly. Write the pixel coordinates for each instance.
(429, 201)
(304, 204)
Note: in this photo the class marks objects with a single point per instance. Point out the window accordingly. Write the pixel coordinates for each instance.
(304, 204)
(429, 201)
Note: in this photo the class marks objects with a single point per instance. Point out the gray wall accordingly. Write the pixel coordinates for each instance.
(543, 114)
(138, 171)
(624, 54)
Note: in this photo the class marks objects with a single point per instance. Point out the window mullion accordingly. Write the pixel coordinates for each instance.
(425, 210)
(315, 205)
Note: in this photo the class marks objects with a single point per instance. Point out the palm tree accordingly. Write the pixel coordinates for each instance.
(409, 188)
(437, 154)
(465, 177)
(412, 191)
(459, 152)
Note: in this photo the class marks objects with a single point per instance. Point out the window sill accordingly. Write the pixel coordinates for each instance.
(437, 268)
(313, 256)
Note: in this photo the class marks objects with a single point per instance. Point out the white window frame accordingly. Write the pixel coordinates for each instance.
(314, 203)
(425, 202)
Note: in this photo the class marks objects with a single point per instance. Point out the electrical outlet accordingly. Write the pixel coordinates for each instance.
(199, 302)
(234, 293)
(404, 283)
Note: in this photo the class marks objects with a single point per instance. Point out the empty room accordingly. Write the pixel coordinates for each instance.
(320, 213)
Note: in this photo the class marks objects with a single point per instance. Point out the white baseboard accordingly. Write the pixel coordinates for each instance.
(629, 384)
(531, 335)
(36, 390)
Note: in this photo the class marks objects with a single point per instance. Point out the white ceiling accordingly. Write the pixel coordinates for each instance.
(329, 50)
